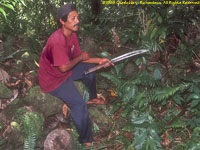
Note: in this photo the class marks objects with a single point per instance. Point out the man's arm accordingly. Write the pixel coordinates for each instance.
(99, 61)
(92, 60)
(84, 56)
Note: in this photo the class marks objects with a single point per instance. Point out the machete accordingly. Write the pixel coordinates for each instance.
(116, 59)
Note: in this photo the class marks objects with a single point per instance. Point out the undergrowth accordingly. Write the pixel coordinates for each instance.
(153, 109)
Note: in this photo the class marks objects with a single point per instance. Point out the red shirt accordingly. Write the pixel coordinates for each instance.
(59, 50)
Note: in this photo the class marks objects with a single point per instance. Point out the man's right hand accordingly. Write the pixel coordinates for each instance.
(84, 56)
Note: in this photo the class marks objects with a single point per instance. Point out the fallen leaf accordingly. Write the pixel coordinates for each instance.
(13, 84)
(36, 63)
(28, 82)
(167, 141)
(15, 94)
(117, 132)
(113, 93)
(4, 77)
(65, 110)
(129, 135)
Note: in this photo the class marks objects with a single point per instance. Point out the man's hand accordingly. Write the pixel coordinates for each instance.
(84, 56)
(105, 61)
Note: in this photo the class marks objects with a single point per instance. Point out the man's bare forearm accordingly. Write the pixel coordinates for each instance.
(84, 56)
(92, 60)
(69, 66)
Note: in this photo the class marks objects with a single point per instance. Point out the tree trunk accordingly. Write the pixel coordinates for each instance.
(96, 7)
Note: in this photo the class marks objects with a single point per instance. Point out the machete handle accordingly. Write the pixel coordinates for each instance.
(95, 68)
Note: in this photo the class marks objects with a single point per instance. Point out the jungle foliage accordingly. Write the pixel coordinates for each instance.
(160, 100)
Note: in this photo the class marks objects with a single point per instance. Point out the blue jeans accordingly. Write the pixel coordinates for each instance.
(68, 92)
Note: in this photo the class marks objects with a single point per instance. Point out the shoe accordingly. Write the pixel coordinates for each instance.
(99, 100)
(88, 144)
(96, 101)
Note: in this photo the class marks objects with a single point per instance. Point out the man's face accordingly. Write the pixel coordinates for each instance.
(72, 21)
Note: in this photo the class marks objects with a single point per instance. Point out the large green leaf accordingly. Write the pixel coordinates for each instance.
(157, 74)
(146, 136)
(193, 96)
(8, 6)
(178, 99)
(3, 12)
(112, 78)
(194, 103)
(153, 33)
(128, 90)
(140, 138)
(22, 1)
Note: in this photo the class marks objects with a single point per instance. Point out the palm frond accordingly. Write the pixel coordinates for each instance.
(116, 81)
(29, 143)
(160, 94)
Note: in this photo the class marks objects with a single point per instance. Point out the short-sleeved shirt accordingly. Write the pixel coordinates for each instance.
(59, 50)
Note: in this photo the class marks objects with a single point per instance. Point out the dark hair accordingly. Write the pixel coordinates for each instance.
(64, 18)
(63, 13)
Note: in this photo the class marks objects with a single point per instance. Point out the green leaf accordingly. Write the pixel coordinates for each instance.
(140, 137)
(105, 54)
(157, 74)
(162, 32)
(155, 45)
(152, 143)
(115, 108)
(129, 127)
(140, 100)
(140, 120)
(194, 103)
(130, 147)
(196, 89)
(155, 136)
(127, 111)
(178, 99)
(160, 19)
(118, 68)
(128, 92)
(138, 61)
(144, 60)
(147, 144)
(153, 33)
(29, 143)
(3, 12)
(165, 93)
(96, 127)
(8, 6)
(22, 1)
(179, 123)
(112, 78)
(193, 96)
(151, 27)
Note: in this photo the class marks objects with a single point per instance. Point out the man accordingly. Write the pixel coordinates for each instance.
(61, 63)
